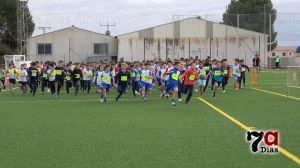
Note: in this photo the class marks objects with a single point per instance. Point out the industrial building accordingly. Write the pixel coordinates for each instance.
(72, 44)
(190, 38)
(180, 39)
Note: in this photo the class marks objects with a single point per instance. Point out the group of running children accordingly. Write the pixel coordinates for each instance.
(175, 78)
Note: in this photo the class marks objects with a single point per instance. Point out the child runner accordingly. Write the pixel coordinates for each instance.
(189, 77)
(12, 74)
(236, 68)
(87, 78)
(217, 73)
(226, 70)
(107, 79)
(98, 79)
(134, 80)
(172, 83)
(208, 68)
(23, 79)
(146, 80)
(2, 78)
(33, 77)
(244, 68)
(51, 75)
(122, 79)
(68, 73)
(76, 75)
(44, 75)
(202, 77)
(162, 81)
(166, 77)
(60, 75)
(180, 83)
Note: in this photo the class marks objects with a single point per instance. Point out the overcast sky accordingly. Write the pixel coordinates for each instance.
(131, 15)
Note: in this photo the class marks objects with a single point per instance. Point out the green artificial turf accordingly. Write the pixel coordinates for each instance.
(80, 132)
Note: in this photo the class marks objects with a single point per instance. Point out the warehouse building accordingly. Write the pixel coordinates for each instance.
(190, 38)
(72, 44)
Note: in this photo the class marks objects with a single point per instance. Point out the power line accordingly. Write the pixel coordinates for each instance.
(44, 29)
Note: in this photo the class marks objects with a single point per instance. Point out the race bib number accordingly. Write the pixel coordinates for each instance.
(202, 72)
(236, 72)
(218, 73)
(58, 72)
(123, 78)
(192, 77)
(88, 75)
(208, 68)
(22, 73)
(106, 79)
(175, 76)
(77, 76)
(144, 77)
(1, 75)
(132, 74)
(11, 72)
(225, 72)
(53, 73)
(33, 74)
(243, 69)
(68, 78)
(45, 75)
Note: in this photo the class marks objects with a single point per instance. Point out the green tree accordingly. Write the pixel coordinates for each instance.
(253, 15)
(8, 26)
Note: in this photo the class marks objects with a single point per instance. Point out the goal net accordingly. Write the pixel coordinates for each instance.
(16, 59)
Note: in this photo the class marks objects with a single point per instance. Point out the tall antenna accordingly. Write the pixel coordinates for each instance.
(44, 29)
(22, 26)
(107, 28)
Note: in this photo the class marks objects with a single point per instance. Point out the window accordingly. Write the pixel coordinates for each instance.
(290, 53)
(273, 54)
(44, 49)
(101, 48)
(284, 54)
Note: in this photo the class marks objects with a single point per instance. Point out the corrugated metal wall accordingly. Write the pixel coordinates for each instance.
(192, 37)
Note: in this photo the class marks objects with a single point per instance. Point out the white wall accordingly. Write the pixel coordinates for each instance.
(81, 44)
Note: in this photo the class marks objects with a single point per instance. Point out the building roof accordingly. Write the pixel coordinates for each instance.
(72, 27)
(283, 48)
(196, 17)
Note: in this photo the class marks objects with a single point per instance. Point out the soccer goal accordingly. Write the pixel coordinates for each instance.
(293, 81)
(16, 59)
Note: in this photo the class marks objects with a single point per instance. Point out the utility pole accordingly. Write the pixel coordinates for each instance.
(44, 29)
(107, 27)
(22, 26)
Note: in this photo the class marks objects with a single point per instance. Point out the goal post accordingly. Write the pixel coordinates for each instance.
(293, 80)
(16, 59)
(254, 77)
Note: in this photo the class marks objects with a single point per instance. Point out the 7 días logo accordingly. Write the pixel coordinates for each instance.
(270, 139)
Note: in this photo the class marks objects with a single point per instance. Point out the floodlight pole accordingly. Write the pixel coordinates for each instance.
(22, 26)
(270, 29)
(265, 54)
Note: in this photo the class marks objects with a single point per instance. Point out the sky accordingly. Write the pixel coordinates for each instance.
(132, 15)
